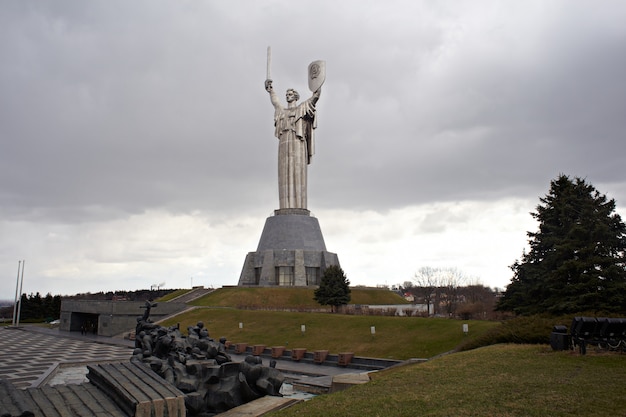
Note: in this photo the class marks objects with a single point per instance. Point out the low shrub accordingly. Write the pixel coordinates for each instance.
(522, 330)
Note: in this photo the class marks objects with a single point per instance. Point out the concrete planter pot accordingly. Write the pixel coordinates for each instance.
(257, 350)
(345, 358)
(277, 351)
(319, 356)
(298, 354)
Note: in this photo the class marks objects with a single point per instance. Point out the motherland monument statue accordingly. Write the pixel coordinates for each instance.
(295, 130)
(291, 251)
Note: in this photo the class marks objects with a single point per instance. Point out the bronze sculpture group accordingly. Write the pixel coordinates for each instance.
(201, 368)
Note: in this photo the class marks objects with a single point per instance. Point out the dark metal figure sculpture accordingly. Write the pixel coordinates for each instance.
(201, 368)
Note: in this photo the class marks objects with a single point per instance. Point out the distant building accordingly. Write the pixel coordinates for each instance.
(109, 318)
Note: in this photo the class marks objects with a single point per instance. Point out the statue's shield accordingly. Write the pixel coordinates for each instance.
(317, 75)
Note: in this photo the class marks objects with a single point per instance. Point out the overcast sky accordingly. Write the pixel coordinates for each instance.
(137, 141)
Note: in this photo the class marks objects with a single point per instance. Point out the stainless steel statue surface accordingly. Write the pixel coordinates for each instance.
(295, 129)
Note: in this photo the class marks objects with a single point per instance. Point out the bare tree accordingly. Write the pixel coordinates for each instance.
(427, 281)
(478, 301)
(439, 287)
(451, 280)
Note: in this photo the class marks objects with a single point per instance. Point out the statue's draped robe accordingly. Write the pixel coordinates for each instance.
(295, 132)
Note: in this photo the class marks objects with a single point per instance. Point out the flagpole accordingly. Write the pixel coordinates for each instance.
(19, 308)
(17, 285)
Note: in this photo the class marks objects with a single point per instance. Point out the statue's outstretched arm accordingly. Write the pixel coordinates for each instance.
(273, 97)
(316, 95)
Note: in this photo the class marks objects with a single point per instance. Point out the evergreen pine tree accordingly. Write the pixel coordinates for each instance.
(334, 289)
(576, 261)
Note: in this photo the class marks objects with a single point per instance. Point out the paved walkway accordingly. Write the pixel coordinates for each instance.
(32, 355)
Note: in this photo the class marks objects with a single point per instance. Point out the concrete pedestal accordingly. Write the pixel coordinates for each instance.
(291, 252)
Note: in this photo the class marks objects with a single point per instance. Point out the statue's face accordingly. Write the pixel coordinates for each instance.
(290, 96)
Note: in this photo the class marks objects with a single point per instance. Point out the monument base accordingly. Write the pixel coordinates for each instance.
(291, 252)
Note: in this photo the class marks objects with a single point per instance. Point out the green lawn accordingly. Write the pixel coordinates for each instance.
(289, 298)
(394, 338)
(501, 380)
(172, 295)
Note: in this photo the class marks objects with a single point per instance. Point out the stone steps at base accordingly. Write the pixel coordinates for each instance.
(138, 390)
(261, 406)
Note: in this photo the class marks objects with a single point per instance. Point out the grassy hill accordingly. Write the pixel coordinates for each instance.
(395, 337)
(172, 295)
(288, 298)
(500, 380)
(256, 308)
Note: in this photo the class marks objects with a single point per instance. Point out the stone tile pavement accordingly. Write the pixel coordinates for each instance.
(29, 355)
